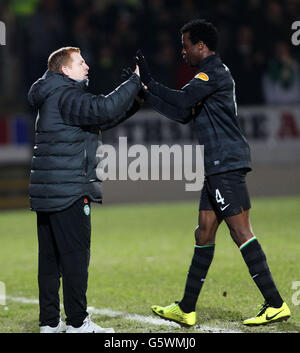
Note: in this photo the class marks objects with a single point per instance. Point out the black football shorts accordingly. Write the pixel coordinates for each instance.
(225, 193)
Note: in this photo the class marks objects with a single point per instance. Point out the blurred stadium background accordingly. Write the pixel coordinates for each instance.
(255, 43)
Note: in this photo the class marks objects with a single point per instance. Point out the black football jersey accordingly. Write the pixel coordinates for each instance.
(208, 101)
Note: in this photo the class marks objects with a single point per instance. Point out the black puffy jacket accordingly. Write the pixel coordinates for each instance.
(68, 127)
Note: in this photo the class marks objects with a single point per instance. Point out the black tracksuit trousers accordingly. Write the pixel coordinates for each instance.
(64, 251)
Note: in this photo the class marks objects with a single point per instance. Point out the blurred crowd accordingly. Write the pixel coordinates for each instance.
(255, 42)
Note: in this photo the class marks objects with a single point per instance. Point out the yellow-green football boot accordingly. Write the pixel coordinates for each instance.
(173, 312)
(268, 314)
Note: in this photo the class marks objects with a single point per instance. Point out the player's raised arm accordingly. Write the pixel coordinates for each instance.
(168, 110)
(192, 93)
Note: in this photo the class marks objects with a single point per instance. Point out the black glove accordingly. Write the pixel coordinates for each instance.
(126, 74)
(144, 68)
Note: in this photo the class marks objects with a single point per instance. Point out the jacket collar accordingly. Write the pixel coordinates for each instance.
(80, 83)
(212, 59)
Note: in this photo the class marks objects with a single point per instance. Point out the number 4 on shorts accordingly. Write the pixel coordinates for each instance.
(219, 197)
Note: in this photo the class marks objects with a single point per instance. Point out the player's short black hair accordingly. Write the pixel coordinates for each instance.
(201, 30)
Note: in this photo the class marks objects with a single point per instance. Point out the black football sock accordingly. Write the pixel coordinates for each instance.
(259, 270)
(201, 261)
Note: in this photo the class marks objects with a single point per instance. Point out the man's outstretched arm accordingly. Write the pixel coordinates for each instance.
(170, 111)
(137, 103)
(191, 94)
(81, 108)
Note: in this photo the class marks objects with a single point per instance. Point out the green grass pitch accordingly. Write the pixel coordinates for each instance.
(140, 255)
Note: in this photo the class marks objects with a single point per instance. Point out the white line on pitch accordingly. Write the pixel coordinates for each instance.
(132, 317)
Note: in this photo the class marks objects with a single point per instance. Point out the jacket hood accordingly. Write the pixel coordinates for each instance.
(48, 84)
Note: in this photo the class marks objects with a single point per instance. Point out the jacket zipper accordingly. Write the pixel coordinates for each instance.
(85, 162)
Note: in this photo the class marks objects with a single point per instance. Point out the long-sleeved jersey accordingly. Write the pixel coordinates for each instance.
(208, 101)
